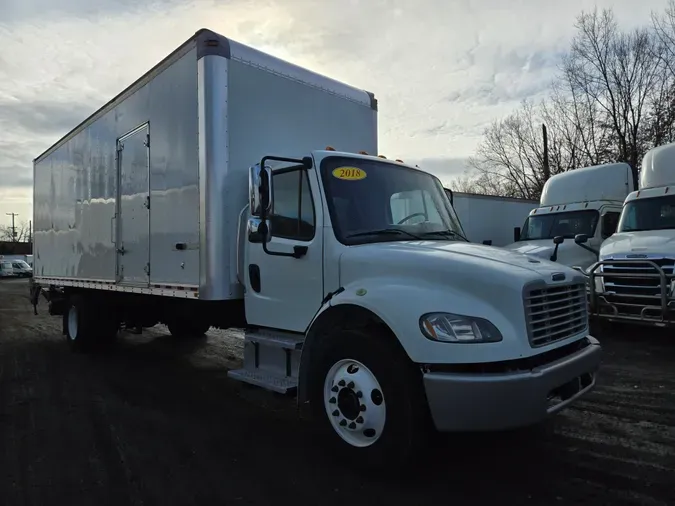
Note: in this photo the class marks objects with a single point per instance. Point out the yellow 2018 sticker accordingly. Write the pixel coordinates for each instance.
(349, 173)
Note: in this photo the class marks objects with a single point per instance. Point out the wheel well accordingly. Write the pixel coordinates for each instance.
(342, 316)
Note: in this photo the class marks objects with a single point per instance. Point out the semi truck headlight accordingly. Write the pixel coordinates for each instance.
(456, 328)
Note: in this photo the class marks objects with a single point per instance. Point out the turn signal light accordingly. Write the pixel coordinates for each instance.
(330, 148)
(382, 156)
(363, 152)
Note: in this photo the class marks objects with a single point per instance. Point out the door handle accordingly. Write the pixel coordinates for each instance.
(113, 220)
(121, 250)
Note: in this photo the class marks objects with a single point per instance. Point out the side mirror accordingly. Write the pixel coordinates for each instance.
(557, 240)
(487, 242)
(260, 190)
(516, 234)
(265, 191)
(581, 240)
(258, 230)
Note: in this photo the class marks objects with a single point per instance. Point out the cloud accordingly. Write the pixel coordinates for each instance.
(441, 70)
(446, 169)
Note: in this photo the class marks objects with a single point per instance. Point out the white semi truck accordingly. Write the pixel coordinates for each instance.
(633, 281)
(578, 210)
(203, 196)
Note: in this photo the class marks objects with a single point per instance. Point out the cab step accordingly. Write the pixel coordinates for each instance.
(281, 385)
(271, 360)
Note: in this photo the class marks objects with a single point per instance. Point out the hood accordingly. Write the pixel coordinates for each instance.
(652, 242)
(569, 253)
(462, 261)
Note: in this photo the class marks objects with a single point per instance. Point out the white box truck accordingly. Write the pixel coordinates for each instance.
(633, 281)
(578, 210)
(490, 219)
(203, 196)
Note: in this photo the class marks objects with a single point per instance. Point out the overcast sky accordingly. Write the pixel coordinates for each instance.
(441, 69)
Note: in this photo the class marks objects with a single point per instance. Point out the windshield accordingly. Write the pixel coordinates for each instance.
(648, 214)
(372, 201)
(22, 265)
(569, 224)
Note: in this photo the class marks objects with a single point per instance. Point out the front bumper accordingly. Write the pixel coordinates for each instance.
(500, 401)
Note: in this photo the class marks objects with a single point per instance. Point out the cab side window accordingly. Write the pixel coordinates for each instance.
(293, 214)
(609, 222)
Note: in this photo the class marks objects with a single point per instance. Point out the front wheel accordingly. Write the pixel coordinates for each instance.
(369, 397)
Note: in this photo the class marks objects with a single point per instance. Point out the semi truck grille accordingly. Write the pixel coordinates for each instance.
(555, 313)
(633, 286)
(632, 283)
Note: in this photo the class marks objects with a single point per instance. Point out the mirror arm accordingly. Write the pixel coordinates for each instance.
(588, 248)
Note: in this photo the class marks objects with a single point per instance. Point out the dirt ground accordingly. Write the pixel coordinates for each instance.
(156, 421)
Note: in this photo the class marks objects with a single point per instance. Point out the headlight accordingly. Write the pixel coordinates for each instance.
(455, 328)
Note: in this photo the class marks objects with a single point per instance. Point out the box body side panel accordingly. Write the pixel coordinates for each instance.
(76, 186)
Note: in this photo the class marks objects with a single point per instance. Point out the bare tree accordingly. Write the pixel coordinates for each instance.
(619, 73)
(613, 100)
(22, 233)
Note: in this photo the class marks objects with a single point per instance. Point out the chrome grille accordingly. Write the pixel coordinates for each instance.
(632, 283)
(554, 313)
(633, 286)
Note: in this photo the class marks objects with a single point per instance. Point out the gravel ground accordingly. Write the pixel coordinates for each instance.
(156, 421)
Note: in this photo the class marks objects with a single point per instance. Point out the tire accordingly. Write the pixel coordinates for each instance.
(188, 328)
(86, 326)
(369, 370)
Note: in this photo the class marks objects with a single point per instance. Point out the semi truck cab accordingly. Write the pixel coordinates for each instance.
(579, 209)
(633, 281)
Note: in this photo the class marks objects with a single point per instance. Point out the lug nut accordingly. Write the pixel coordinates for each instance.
(343, 423)
(352, 425)
(359, 394)
(341, 383)
(362, 407)
(350, 385)
(334, 389)
(359, 419)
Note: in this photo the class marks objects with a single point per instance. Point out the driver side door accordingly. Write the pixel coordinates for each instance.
(284, 292)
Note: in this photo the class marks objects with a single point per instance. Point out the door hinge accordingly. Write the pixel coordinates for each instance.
(147, 268)
(147, 202)
(120, 147)
(146, 142)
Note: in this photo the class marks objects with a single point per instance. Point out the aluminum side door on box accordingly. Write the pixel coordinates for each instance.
(133, 208)
(281, 291)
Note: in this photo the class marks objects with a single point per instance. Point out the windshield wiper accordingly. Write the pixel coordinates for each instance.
(385, 231)
(446, 233)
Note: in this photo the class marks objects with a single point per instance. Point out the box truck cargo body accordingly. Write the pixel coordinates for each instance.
(491, 219)
(211, 193)
(141, 195)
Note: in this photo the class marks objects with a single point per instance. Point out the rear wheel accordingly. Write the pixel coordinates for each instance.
(368, 396)
(87, 326)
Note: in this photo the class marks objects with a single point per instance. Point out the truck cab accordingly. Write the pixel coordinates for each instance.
(357, 267)
(578, 210)
(633, 281)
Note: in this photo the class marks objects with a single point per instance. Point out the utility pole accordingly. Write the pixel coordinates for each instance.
(13, 215)
(546, 167)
